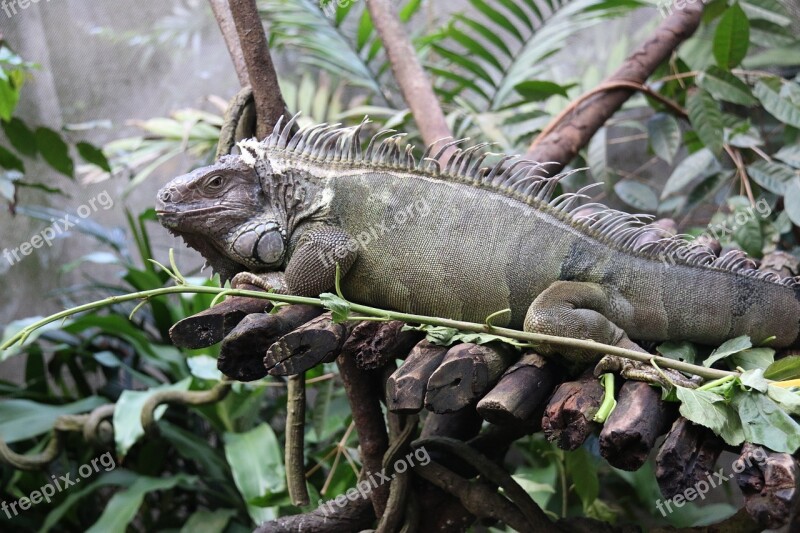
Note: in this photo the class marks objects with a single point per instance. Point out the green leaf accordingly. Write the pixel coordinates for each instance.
(754, 358)
(790, 155)
(784, 369)
(680, 351)
(774, 177)
(765, 423)
(205, 521)
(706, 119)
(768, 91)
(665, 136)
(256, 461)
(204, 367)
(582, 468)
(728, 348)
(788, 401)
(791, 201)
(540, 90)
(749, 237)
(127, 414)
(637, 195)
(754, 379)
(55, 151)
(93, 155)
(710, 410)
(339, 308)
(20, 136)
(9, 161)
(723, 85)
(121, 509)
(597, 157)
(732, 38)
(23, 419)
(114, 478)
(701, 163)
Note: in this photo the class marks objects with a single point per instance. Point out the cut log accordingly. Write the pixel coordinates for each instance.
(521, 392)
(376, 343)
(405, 389)
(466, 374)
(241, 356)
(209, 327)
(631, 431)
(567, 420)
(320, 340)
(769, 483)
(686, 457)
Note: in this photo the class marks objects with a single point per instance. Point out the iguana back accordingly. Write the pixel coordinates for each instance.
(465, 241)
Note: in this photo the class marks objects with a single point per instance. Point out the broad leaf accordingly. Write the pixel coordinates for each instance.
(256, 461)
(55, 151)
(768, 91)
(774, 177)
(706, 119)
(665, 136)
(700, 163)
(121, 509)
(93, 155)
(23, 419)
(790, 155)
(637, 195)
(128, 412)
(710, 410)
(784, 369)
(20, 136)
(791, 201)
(723, 85)
(731, 38)
(765, 423)
(539, 90)
(728, 348)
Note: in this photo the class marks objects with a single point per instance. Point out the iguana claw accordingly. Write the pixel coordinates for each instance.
(638, 371)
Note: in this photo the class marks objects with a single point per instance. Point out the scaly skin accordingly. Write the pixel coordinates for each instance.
(420, 241)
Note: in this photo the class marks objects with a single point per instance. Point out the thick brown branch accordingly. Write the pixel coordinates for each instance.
(354, 515)
(363, 393)
(411, 77)
(222, 12)
(561, 145)
(270, 105)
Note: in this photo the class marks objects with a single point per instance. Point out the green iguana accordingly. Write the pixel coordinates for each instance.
(462, 241)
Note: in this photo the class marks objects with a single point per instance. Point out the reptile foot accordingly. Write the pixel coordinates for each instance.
(639, 371)
(267, 281)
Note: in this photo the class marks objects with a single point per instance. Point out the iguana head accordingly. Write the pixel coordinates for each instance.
(223, 212)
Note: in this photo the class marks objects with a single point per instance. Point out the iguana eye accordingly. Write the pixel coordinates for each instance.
(214, 183)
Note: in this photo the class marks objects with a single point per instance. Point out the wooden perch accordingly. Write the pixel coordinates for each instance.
(521, 392)
(769, 484)
(631, 431)
(241, 356)
(209, 327)
(466, 373)
(687, 456)
(405, 388)
(318, 341)
(561, 141)
(567, 419)
(374, 344)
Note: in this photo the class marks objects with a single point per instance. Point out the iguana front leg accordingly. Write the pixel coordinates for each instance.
(575, 309)
(311, 270)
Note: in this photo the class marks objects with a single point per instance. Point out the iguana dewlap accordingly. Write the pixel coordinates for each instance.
(463, 241)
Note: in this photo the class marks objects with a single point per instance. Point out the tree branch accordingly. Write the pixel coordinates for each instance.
(563, 141)
(222, 12)
(270, 105)
(414, 83)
